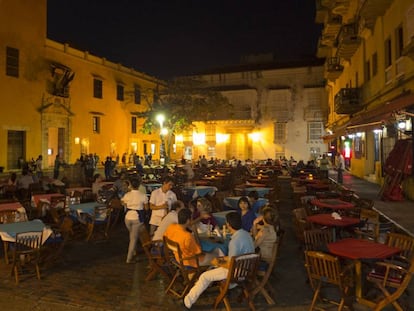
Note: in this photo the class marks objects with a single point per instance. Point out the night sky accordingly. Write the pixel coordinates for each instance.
(167, 38)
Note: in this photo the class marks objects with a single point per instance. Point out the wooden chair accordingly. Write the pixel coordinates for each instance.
(392, 284)
(405, 243)
(317, 239)
(263, 274)
(26, 251)
(117, 208)
(242, 271)
(184, 276)
(154, 250)
(370, 225)
(300, 224)
(324, 269)
(100, 220)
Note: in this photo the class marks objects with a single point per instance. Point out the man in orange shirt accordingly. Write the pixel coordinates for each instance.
(188, 244)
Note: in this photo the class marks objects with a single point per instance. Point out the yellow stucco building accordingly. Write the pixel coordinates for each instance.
(57, 99)
(369, 50)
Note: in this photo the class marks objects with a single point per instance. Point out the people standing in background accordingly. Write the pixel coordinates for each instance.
(39, 167)
(58, 164)
(324, 166)
(340, 167)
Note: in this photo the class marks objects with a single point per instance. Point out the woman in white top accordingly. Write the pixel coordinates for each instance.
(135, 202)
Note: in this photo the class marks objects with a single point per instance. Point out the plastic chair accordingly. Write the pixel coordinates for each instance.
(324, 269)
(26, 251)
(242, 271)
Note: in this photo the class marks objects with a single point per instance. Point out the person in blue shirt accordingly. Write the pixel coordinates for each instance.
(247, 214)
(255, 203)
(241, 243)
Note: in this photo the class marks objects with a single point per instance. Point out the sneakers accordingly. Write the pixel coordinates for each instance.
(187, 303)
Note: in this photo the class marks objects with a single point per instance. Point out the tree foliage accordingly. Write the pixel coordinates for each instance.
(183, 101)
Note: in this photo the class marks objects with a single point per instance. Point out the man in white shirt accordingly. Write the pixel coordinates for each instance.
(171, 218)
(160, 202)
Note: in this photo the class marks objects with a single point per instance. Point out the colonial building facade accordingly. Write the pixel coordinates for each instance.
(278, 109)
(59, 100)
(369, 50)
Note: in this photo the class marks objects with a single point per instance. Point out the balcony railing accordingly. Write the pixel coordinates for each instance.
(347, 101)
(341, 7)
(332, 26)
(372, 9)
(333, 68)
(348, 41)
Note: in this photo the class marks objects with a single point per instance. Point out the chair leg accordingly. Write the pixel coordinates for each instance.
(315, 297)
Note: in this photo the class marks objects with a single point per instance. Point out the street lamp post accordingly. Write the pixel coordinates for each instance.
(163, 133)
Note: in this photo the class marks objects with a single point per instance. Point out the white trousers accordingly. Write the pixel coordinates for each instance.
(205, 279)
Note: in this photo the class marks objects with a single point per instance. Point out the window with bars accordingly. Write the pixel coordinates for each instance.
(315, 131)
(279, 132)
(120, 92)
(12, 62)
(96, 124)
(133, 125)
(97, 88)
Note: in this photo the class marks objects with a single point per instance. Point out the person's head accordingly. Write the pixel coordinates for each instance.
(167, 184)
(177, 205)
(270, 215)
(184, 216)
(97, 177)
(243, 203)
(135, 182)
(13, 176)
(204, 206)
(253, 196)
(233, 219)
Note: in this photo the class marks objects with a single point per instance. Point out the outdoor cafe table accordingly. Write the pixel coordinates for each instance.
(209, 244)
(36, 198)
(231, 202)
(261, 191)
(15, 206)
(150, 187)
(357, 250)
(220, 217)
(329, 221)
(84, 208)
(333, 204)
(70, 191)
(9, 231)
(199, 191)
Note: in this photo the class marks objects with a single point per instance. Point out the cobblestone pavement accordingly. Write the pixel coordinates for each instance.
(94, 276)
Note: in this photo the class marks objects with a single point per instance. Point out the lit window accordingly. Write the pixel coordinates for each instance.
(279, 132)
(315, 130)
(12, 62)
(96, 124)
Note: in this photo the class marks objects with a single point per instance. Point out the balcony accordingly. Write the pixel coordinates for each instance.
(341, 7)
(322, 50)
(333, 68)
(372, 9)
(332, 27)
(347, 101)
(321, 12)
(348, 41)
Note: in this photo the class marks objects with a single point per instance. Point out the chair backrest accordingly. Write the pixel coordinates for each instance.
(243, 268)
(28, 241)
(322, 267)
(403, 242)
(317, 239)
(371, 221)
(87, 196)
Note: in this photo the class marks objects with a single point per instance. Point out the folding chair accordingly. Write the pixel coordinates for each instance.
(154, 250)
(242, 271)
(26, 251)
(185, 276)
(317, 239)
(324, 269)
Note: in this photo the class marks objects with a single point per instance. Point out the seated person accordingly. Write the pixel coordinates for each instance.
(247, 214)
(97, 184)
(255, 204)
(170, 218)
(180, 234)
(121, 185)
(265, 232)
(202, 215)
